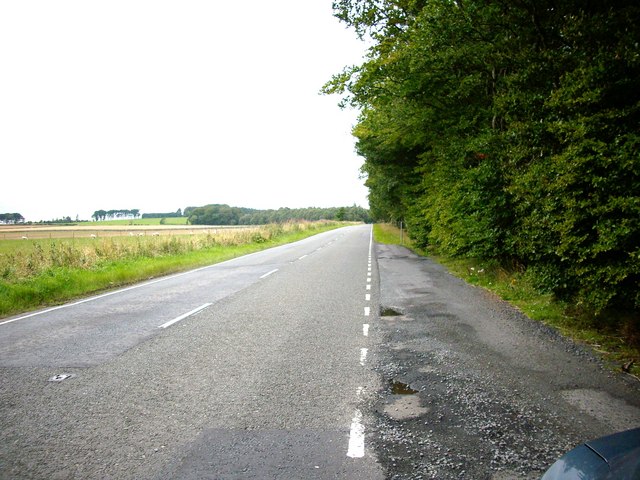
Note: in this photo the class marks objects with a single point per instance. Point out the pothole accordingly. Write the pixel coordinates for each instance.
(390, 312)
(404, 404)
(399, 388)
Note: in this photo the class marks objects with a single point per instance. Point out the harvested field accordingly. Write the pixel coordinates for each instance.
(56, 264)
(22, 232)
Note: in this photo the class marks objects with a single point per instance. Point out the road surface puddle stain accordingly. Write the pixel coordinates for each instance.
(399, 388)
(403, 403)
(389, 312)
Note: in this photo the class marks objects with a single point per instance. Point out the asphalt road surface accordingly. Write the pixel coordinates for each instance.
(329, 358)
(265, 380)
(473, 389)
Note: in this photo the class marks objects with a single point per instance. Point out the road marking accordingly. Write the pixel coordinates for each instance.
(369, 280)
(367, 297)
(182, 317)
(367, 311)
(356, 437)
(363, 356)
(368, 287)
(303, 256)
(269, 273)
(126, 289)
(365, 329)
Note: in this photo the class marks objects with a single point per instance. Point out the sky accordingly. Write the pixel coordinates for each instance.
(159, 105)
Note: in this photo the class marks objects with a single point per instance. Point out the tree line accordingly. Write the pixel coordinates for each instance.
(176, 214)
(115, 214)
(11, 218)
(506, 130)
(217, 214)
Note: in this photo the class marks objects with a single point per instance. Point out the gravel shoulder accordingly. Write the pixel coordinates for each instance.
(475, 389)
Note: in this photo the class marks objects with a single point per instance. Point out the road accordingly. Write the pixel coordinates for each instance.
(472, 388)
(266, 380)
(329, 358)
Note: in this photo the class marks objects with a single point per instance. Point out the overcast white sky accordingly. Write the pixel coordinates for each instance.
(160, 105)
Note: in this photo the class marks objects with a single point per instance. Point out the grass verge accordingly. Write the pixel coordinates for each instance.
(65, 270)
(515, 287)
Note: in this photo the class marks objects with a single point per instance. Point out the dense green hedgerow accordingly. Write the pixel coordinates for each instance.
(507, 131)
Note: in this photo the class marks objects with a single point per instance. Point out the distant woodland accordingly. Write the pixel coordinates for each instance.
(226, 215)
(220, 214)
(507, 131)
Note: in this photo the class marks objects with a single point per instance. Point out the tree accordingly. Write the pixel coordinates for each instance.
(507, 131)
(225, 215)
(11, 218)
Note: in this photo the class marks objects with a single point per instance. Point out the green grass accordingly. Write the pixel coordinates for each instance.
(391, 235)
(516, 287)
(65, 269)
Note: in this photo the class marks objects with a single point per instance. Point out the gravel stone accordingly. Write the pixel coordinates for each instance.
(492, 383)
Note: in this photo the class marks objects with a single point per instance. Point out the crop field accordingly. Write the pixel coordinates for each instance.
(47, 265)
(118, 228)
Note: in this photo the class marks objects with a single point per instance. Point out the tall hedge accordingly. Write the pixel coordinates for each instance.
(507, 130)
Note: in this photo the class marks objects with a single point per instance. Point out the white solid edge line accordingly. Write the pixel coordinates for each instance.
(356, 437)
(138, 285)
(269, 273)
(182, 317)
(126, 289)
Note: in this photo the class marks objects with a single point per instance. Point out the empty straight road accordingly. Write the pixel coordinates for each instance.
(254, 368)
(328, 358)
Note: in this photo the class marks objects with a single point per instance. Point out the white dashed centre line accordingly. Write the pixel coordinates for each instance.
(356, 437)
(363, 356)
(269, 273)
(182, 317)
